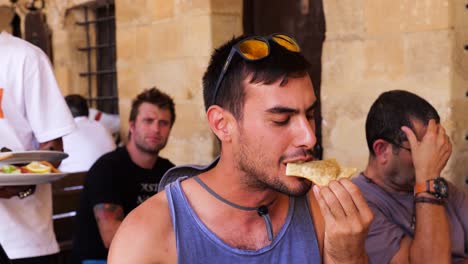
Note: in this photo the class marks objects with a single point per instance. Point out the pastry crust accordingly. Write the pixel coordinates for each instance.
(320, 172)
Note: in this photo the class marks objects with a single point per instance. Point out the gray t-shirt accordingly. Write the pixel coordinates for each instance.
(393, 215)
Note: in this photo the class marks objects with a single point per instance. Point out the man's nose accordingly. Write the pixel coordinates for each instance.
(155, 126)
(305, 136)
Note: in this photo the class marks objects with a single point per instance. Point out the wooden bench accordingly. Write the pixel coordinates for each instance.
(65, 200)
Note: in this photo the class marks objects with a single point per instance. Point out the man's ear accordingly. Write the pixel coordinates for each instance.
(382, 149)
(131, 126)
(220, 122)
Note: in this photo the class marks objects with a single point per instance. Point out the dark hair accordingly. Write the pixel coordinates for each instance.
(155, 97)
(77, 104)
(391, 111)
(280, 64)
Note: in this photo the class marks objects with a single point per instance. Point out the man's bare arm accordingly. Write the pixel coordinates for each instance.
(146, 235)
(108, 218)
(431, 242)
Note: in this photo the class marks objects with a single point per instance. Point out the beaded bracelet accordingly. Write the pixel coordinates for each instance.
(428, 200)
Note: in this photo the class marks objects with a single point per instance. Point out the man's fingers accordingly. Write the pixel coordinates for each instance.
(344, 198)
(432, 127)
(358, 199)
(327, 214)
(332, 201)
(410, 135)
(441, 135)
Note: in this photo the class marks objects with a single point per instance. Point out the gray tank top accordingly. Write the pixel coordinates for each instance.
(295, 242)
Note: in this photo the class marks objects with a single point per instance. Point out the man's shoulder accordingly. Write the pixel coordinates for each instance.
(184, 171)
(457, 196)
(21, 47)
(375, 196)
(165, 162)
(112, 160)
(156, 206)
(365, 184)
(151, 223)
(120, 153)
(153, 213)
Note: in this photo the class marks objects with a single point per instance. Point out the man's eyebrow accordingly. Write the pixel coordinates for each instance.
(288, 110)
(312, 107)
(282, 110)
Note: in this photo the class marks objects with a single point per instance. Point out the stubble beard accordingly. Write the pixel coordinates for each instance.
(399, 179)
(254, 167)
(149, 150)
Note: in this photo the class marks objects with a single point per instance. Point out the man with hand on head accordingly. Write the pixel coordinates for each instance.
(124, 178)
(419, 217)
(242, 208)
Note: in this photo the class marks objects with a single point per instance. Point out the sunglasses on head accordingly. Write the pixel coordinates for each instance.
(253, 49)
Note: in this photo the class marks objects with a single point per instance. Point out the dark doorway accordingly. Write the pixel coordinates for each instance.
(16, 26)
(303, 19)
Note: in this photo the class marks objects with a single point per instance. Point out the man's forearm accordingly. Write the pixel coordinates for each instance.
(431, 243)
(362, 260)
(109, 217)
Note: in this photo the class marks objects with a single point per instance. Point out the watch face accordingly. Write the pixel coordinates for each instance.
(441, 188)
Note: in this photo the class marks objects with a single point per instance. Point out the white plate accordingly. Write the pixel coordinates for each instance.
(28, 156)
(29, 178)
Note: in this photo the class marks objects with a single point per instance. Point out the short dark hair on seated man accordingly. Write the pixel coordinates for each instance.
(391, 111)
(77, 104)
(155, 97)
(280, 64)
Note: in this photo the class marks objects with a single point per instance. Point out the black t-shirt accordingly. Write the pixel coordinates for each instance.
(115, 179)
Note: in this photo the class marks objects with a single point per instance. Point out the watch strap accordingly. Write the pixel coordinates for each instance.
(429, 200)
(426, 186)
(27, 192)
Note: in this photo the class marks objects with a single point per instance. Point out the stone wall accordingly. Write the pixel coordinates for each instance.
(374, 46)
(167, 43)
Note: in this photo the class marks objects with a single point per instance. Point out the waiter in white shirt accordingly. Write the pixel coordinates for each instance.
(88, 142)
(33, 115)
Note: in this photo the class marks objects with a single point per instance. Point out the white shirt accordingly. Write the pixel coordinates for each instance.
(85, 145)
(32, 110)
(110, 121)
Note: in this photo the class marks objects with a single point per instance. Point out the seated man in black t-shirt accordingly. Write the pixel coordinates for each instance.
(121, 180)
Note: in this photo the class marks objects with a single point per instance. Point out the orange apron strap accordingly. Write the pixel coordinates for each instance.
(1, 101)
(98, 116)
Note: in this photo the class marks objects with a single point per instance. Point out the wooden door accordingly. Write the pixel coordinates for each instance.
(303, 19)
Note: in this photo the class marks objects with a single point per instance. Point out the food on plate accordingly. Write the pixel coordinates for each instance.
(10, 169)
(320, 172)
(40, 167)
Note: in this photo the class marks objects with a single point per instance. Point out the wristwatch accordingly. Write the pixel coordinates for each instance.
(437, 187)
(27, 192)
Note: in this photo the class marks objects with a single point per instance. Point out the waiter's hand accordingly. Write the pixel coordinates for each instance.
(6, 192)
(56, 145)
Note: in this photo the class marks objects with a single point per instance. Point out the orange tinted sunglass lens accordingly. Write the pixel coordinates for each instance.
(287, 42)
(254, 49)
